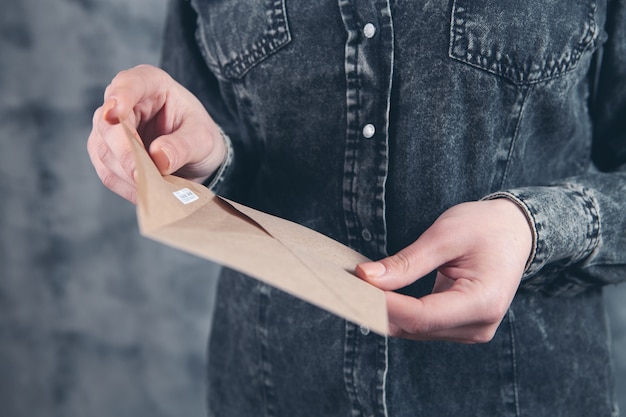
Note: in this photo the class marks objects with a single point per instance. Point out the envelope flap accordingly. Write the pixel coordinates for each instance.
(293, 235)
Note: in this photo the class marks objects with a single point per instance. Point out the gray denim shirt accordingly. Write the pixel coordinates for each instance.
(365, 120)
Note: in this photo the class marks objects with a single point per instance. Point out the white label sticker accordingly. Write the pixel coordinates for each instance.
(185, 196)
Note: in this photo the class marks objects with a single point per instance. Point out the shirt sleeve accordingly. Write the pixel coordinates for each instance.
(579, 224)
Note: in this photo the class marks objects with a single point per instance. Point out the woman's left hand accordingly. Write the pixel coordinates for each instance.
(479, 250)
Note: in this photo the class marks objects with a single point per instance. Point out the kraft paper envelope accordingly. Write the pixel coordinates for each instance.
(286, 255)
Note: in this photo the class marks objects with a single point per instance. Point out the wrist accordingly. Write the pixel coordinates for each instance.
(523, 219)
(213, 180)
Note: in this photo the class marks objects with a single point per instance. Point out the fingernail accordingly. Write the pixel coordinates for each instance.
(372, 269)
(162, 160)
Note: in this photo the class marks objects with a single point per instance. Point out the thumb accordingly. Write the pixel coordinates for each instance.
(405, 267)
(193, 152)
(169, 153)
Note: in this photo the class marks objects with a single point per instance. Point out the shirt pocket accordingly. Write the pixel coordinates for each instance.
(236, 35)
(523, 41)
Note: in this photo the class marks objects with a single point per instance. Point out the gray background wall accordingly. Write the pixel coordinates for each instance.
(95, 320)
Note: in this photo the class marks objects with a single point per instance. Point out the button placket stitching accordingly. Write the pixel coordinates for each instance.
(366, 159)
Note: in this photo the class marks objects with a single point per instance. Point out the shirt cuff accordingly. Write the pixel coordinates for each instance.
(215, 180)
(565, 224)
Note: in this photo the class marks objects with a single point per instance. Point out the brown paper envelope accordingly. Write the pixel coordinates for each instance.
(286, 255)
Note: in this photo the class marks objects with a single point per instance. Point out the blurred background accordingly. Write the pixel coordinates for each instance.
(94, 319)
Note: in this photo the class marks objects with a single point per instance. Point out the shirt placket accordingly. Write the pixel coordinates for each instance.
(368, 70)
(368, 66)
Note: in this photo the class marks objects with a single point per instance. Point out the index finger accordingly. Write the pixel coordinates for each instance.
(453, 315)
(136, 94)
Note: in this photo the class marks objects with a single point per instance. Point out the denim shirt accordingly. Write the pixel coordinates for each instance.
(365, 120)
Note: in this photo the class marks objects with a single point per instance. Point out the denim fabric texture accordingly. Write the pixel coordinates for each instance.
(365, 120)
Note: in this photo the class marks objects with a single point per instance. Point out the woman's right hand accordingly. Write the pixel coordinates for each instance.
(180, 136)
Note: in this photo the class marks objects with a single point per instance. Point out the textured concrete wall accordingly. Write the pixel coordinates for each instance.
(95, 320)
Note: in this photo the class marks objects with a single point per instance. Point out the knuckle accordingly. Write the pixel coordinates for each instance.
(500, 311)
(484, 336)
(108, 91)
(491, 315)
(97, 149)
(492, 307)
(97, 116)
(400, 263)
(418, 328)
(126, 77)
(93, 149)
(132, 195)
(109, 179)
(497, 311)
(91, 143)
(127, 161)
(121, 75)
(146, 68)
(490, 319)
(108, 88)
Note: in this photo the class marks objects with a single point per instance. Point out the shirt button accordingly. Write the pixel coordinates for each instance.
(369, 30)
(364, 330)
(366, 235)
(368, 131)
